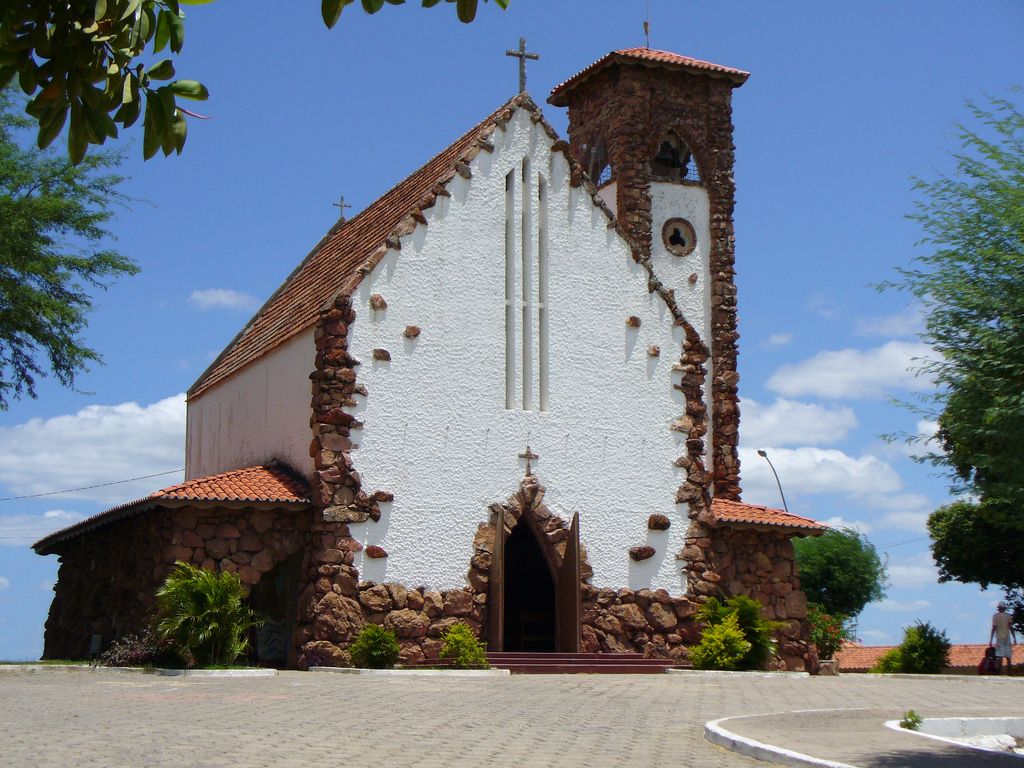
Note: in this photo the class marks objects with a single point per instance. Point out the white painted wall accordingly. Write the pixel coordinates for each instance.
(437, 433)
(260, 413)
(690, 202)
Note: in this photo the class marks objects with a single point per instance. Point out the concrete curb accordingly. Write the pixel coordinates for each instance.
(255, 672)
(34, 668)
(734, 673)
(716, 734)
(963, 724)
(45, 667)
(414, 672)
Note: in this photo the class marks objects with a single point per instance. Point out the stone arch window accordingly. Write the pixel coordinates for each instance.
(673, 160)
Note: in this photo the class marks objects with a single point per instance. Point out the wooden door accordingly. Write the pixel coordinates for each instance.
(569, 610)
(496, 587)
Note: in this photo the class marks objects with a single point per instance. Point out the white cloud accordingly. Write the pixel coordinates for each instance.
(822, 305)
(46, 585)
(876, 636)
(809, 470)
(852, 373)
(23, 530)
(909, 606)
(776, 341)
(4, 582)
(787, 422)
(907, 322)
(223, 298)
(915, 571)
(98, 444)
(903, 511)
(840, 522)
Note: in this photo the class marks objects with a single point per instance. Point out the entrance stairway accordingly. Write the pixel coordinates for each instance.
(577, 663)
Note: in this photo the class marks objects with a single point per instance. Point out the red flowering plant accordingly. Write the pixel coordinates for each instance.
(827, 632)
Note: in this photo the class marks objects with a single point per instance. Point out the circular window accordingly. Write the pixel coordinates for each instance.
(679, 237)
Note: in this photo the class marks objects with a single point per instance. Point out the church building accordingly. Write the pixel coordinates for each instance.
(504, 393)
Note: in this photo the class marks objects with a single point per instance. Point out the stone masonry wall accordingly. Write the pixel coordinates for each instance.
(629, 110)
(108, 578)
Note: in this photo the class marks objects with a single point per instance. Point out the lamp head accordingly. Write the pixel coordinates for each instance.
(762, 453)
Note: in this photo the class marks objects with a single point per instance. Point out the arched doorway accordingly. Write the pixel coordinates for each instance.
(529, 608)
(533, 599)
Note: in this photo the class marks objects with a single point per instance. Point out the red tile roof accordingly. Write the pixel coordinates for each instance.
(264, 485)
(739, 513)
(650, 57)
(336, 260)
(854, 657)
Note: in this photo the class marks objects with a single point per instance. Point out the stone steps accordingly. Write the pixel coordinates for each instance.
(580, 663)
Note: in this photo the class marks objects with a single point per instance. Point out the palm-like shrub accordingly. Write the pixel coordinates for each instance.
(757, 630)
(204, 613)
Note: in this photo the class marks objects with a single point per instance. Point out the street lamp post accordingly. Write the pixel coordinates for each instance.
(764, 455)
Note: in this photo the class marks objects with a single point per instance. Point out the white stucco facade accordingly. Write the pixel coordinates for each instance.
(259, 414)
(562, 370)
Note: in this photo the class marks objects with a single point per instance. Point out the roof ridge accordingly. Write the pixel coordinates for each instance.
(385, 218)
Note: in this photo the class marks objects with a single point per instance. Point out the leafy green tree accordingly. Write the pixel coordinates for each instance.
(205, 614)
(53, 231)
(971, 286)
(924, 650)
(840, 571)
(81, 59)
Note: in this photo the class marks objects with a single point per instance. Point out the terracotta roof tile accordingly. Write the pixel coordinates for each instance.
(336, 259)
(268, 484)
(727, 511)
(854, 657)
(649, 56)
(263, 483)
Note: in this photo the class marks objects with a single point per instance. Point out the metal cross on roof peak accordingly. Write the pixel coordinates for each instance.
(341, 205)
(522, 55)
(528, 455)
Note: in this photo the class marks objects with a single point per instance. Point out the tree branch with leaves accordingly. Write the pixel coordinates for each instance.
(81, 62)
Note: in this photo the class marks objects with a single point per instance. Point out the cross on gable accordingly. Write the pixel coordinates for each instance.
(522, 55)
(528, 455)
(341, 205)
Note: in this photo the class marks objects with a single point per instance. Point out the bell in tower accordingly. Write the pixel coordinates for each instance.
(663, 126)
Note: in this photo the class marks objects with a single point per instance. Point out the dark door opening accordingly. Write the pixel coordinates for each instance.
(529, 594)
(274, 598)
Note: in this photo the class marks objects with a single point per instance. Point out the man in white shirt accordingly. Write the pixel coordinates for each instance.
(1004, 636)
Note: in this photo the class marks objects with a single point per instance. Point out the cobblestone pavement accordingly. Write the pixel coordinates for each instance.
(82, 718)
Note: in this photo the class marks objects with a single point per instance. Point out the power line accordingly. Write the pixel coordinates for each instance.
(907, 541)
(90, 487)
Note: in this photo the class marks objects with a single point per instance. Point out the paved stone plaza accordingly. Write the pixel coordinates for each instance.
(63, 718)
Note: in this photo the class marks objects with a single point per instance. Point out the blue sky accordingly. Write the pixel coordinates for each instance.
(845, 103)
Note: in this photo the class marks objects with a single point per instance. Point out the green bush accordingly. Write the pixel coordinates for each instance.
(204, 614)
(461, 645)
(827, 632)
(891, 661)
(374, 648)
(757, 630)
(911, 720)
(924, 650)
(721, 646)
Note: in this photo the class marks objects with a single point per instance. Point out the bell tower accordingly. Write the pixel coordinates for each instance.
(654, 130)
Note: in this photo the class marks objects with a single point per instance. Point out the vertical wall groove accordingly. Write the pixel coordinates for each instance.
(510, 318)
(526, 243)
(542, 292)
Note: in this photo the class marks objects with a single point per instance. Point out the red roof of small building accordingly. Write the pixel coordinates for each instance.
(738, 512)
(263, 485)
(854, 657)
(650, 57)
(338, 257)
